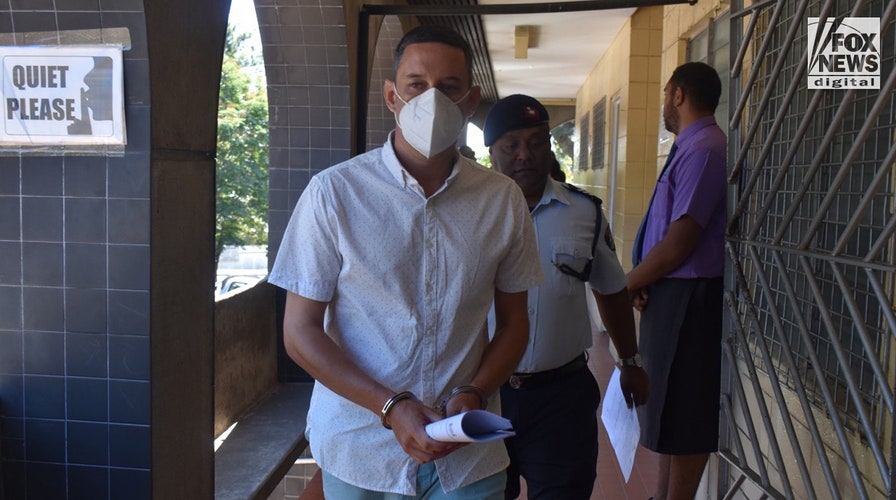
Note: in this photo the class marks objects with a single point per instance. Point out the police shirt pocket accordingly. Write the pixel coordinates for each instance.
(572, 258)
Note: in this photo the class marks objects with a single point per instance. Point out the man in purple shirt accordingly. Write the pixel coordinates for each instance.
(677, 285)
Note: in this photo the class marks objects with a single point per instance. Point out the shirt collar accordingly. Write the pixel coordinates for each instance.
(552, 191)
(692, 129)
(402, 176)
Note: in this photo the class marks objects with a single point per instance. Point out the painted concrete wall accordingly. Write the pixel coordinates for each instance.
(630, 70)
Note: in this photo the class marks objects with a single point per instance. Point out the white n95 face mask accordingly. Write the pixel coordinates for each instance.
(431, 122)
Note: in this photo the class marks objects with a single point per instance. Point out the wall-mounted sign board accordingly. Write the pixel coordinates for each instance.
(62, 95)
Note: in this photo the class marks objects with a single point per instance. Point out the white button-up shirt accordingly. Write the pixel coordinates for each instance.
(409, 281)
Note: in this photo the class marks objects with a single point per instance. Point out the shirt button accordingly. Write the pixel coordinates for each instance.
(531, 311)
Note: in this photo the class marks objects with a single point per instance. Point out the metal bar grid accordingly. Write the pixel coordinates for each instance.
(810, 288)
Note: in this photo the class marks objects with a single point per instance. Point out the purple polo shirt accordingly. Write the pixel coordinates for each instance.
(694, 184)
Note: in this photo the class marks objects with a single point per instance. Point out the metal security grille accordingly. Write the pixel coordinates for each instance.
(809, 362)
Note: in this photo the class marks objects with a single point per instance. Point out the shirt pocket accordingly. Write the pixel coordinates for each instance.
(573, 255)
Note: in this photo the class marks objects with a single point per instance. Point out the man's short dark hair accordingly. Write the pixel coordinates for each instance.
(700, 83)
(433, 33)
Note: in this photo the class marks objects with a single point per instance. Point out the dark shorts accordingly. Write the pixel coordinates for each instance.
(681, 343)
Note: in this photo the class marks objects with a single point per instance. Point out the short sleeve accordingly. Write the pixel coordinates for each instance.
(520, 269)
(607, 276)
(308, 262)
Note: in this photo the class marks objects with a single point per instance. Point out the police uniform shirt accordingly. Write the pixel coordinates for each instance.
(559, 323)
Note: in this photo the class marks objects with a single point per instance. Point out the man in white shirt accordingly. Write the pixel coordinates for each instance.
(391, 260)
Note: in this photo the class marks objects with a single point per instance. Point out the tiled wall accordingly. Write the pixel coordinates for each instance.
(74, 292)
(380, 120)
(309, 98)
(634, 56)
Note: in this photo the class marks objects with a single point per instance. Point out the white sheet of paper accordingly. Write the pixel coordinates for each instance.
(621, 424)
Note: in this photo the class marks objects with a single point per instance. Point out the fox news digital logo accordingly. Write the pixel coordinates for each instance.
(844, 54)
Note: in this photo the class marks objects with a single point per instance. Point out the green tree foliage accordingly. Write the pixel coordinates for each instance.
(242, 157)
(562, 137)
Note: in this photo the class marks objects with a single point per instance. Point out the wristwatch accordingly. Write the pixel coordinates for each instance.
(632, 361)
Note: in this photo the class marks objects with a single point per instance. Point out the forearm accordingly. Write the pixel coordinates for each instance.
(508, 345)
(616, 313)
(310, 347)
(667, 255)
(501, 358)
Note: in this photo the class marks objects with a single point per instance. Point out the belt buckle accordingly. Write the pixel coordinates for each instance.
(515, 381)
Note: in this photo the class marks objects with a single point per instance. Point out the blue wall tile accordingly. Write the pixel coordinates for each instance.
(10, 307)
(129, 267)
(133, 484)
(129, 312)
(129, 402)
(11, 354)
(85, 310)
(12, 395)
(129, 357)
(44, 397)
(88, 443)
(12, 445)
(9, 172)
(46, 441)
(42, 264)
(10, 224)
(10, 262)
(41, 176)
(129, 176)
(85, 177)
(85, 220)
(85, 265)
(129, 221)
(45, 481)
(87, 399)
(88, 483)
(85, 355)
(44, 353)
(43, 308)
(129, 446)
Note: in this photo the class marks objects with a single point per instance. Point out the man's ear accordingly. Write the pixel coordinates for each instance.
(678, 96)
(389, 95)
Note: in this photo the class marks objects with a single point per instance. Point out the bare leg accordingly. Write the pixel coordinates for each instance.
(662, 481)
(685, 473)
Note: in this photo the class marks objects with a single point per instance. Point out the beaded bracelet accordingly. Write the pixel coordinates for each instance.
(391, 402)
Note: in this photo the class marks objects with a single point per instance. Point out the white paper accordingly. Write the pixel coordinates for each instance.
(621, 424)
(472, 426)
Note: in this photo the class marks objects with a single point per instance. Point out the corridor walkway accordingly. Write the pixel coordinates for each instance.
(610, 484)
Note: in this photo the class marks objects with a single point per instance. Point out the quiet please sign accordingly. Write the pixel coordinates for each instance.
(65, 95)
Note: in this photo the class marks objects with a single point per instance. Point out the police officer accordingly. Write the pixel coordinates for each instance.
(552, 398)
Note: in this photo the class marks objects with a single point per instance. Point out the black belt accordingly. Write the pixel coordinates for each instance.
(537, 379)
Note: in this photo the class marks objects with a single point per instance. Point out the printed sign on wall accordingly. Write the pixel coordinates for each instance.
(62, 95)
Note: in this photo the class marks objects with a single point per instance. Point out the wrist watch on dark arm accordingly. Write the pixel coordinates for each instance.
(632, 361)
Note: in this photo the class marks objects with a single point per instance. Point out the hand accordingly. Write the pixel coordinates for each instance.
(408, 418)
(639, 298)
(634, 383)
(461, 402)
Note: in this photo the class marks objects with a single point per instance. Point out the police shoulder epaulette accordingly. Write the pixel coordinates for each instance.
(598, 216)
(577, 189)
